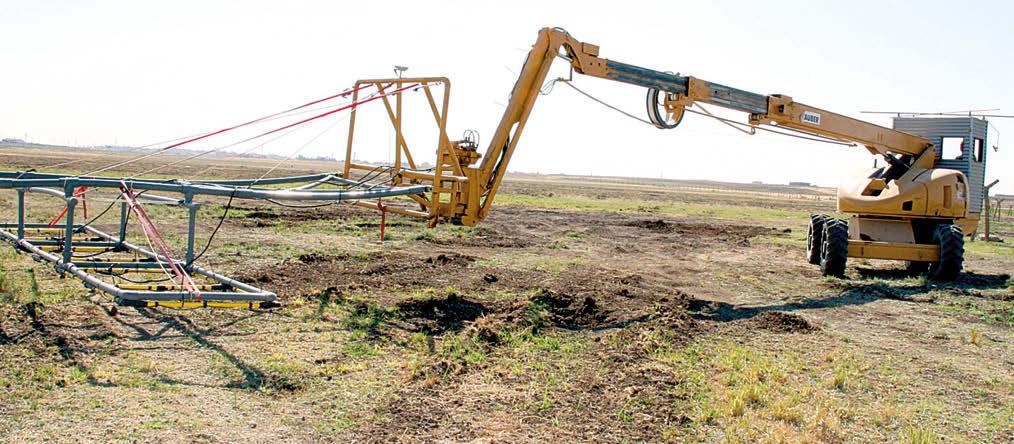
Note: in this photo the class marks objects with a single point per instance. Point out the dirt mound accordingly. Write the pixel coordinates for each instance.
(313, 258)
(439, 315)
(653, 225)
(450, 259)
(781, 322)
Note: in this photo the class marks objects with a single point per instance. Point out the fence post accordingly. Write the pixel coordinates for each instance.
(985, 197)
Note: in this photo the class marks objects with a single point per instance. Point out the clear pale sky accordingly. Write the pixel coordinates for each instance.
(137, 72)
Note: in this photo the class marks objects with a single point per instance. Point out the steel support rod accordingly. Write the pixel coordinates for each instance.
(124, 214)
(68, 242)
(188, 202)
(21, 214)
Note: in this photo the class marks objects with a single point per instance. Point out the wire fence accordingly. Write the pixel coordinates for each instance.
(1002, 210)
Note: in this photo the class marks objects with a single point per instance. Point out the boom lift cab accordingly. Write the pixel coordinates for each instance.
(968, 136)
(915, 208)
(908, 212)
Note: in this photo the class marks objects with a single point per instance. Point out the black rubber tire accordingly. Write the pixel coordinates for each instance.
(835, 249)
(952, 253)
(815, 238)
(915, 268)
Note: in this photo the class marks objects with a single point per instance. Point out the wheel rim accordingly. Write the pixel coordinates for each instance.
(809, 239)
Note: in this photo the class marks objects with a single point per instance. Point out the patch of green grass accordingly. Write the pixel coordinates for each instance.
(990, 306)
(918, 435)
(987, 249)
(27, 374)
(340, 422)
(794, 239)
(280, 372)
(157, 424)
(138, 371)
(750, 392)
(5, 291)
(573, 234)
(364, 318)
(556, 245)
(359, 349)
(719, 211)
(425, 235)
(462, 348)
(357, 315)
(975, 337)
(21, 283)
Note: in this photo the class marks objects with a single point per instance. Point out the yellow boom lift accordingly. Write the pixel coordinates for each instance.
(914, 209)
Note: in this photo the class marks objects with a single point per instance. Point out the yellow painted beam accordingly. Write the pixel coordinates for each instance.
(894, 251)
(83, 249)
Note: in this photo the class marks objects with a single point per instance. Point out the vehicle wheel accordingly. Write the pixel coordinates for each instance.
(952, 253)
(916, 268)
(835, 249)
(815, 238)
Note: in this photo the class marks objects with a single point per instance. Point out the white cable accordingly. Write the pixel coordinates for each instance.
(204, 153)
(160, 150)
(813, 138)
(297, 151)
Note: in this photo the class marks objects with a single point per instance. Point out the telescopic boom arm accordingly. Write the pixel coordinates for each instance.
(672, 94)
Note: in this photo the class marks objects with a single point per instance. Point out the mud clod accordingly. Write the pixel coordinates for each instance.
(781, 322)
(460, 260)
(313, 258)
(487, 329)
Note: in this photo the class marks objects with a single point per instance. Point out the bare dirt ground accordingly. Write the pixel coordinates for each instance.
(582, 310)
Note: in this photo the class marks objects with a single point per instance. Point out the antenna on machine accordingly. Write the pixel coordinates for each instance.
(399, 70)
(960, 113)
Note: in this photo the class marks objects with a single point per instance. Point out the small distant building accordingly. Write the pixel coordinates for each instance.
(12, 141)
(800, 184)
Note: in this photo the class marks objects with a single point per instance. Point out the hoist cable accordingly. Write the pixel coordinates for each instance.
(194, 139)
(808, 136)
(308, 119)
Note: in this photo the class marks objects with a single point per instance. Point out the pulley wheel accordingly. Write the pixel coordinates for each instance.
(658, 114)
